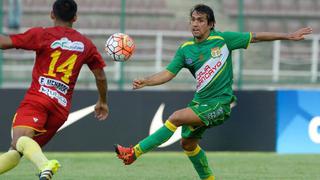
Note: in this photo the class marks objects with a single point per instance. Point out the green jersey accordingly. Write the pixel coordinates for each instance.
(210, 63)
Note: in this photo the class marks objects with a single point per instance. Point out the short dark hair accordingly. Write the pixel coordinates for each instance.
(65, 10)
(202, 8)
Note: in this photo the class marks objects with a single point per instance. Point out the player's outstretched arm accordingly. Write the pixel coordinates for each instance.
(5, 42)
(271, 36)
(101, 109)
(153, 80)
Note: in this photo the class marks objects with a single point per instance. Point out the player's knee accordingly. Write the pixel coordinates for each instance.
(15, 142)
(24, 142)
(187, 145)
(14, 149)
(176, 119)
(20, 133)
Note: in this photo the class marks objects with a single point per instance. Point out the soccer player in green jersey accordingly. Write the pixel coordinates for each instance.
(208, 58)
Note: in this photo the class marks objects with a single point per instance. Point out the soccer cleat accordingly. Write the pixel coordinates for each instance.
(50, 169)
(126, 154)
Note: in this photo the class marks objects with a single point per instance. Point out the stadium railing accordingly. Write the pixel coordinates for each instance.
(266, 66)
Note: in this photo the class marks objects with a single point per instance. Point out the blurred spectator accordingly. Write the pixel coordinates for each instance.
(14, 14)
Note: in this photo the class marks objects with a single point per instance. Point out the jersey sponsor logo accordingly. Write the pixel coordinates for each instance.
(66, 44)
(157, 123)
(210, 69)
(54, 95)
(60, 86)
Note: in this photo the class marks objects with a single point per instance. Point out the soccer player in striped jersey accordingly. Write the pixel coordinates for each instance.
(208, 58)
(61, 51)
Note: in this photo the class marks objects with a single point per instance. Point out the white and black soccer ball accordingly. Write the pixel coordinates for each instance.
(120, 47)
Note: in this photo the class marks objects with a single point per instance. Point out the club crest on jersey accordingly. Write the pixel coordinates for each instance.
(188, 61)
(66, 44)
(215, 52)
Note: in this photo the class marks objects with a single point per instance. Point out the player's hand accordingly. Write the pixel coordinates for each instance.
(299, 34)
(101, 111)
(138, 83)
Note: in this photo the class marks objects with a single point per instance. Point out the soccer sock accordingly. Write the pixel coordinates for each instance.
(9, 160)
(31, 149)
(155, 139)
(209, 178)
(200, 163)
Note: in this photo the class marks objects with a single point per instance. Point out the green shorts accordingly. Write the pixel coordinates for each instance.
(211, 114)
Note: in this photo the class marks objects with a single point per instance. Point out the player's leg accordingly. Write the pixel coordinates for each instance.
(52, 125)
(9, 160)
(30, 133)
(181, 117)
(211, 114)
(22, 141)
(198, 157)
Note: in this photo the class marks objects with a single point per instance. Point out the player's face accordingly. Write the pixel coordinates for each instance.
(199, 26)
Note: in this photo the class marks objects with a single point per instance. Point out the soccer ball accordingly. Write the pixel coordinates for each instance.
(120, 47)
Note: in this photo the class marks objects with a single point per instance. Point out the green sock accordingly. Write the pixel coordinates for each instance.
(9, 160)
(155, 139)
(200, 162)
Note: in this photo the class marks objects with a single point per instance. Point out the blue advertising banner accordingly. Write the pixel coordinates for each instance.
(298, 121)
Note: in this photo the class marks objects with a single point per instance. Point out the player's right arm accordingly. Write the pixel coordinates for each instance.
(101, 108)
(96, 65)
(5, 42)
(153, 80)
(164, 76)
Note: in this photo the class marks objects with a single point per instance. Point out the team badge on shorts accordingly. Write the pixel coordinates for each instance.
(215, 52)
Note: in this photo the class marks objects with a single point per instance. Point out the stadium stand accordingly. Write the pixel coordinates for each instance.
(279, 16)
(98, 19)
(159, 26)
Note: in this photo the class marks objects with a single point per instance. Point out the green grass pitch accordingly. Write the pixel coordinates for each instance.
(176, 166)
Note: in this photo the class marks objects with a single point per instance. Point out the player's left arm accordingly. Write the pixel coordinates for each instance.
(5, 42)
(101, 108)
(271, 36)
